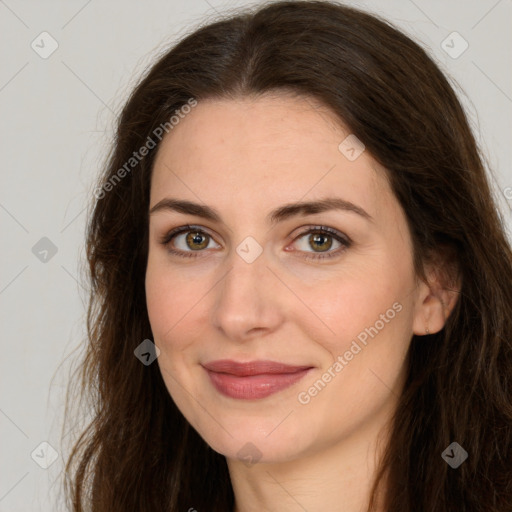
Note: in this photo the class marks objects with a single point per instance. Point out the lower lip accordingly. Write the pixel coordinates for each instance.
(255, 386)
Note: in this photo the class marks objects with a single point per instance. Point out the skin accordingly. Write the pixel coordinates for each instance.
(245, 157)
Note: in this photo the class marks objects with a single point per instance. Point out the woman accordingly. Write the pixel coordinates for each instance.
(301, 286)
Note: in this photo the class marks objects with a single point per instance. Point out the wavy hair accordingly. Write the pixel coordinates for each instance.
(138, 452)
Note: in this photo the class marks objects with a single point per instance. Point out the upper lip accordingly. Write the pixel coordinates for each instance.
(251, 367)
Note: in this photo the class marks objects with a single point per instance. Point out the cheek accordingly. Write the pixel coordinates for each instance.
(167, 301)
(176, 301)
(364, 357)
(343, 307)
(160, 303)
(167, 305)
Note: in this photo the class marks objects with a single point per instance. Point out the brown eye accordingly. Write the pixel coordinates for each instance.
(197, 240)
(187, 241)
(316, 243)
(320, 241)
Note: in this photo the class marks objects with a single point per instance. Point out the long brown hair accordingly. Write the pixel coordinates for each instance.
(138, 452)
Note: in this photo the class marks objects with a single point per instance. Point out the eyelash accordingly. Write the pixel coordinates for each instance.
(344, 240)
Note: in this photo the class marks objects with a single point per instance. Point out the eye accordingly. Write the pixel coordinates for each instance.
(321, 239)
(188, 241)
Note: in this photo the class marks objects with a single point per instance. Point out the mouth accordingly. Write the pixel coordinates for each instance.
(254, 379)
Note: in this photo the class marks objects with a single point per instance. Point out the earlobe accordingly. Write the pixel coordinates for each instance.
(430, 316)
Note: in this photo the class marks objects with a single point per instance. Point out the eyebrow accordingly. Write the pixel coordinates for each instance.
(278, 215)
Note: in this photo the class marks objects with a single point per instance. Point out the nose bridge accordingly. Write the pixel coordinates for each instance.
(244, 300)
(248, 274)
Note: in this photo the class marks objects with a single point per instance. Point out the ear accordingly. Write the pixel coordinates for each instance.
(436, 298)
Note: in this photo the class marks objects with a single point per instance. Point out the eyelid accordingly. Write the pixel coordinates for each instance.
(324, 229)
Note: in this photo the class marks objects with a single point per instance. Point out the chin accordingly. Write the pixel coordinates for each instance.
(253, 441)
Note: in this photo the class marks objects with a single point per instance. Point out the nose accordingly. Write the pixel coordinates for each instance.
(247, 300)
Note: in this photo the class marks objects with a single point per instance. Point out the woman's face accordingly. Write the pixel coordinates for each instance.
(282, 330)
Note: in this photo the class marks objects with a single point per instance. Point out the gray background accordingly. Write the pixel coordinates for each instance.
(56, 123)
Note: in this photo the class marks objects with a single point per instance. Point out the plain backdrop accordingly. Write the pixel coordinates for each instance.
(57, 113)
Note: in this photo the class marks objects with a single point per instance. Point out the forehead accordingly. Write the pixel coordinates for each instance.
(266, 150)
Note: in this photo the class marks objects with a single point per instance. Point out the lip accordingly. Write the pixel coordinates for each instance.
(254, 379)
